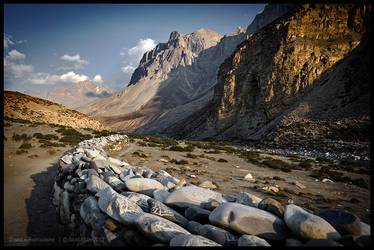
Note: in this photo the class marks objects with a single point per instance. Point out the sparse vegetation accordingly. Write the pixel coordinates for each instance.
(192, 156)
(188, 148)
(306, 164)
(72, 136)
(25, 146)
(139, 154)
(180, 162)
(51, 152)
(45, 137)
(23, 137)
(278, 164)
(250, 156)
(222, 160)
(102, 133)
(22, 151)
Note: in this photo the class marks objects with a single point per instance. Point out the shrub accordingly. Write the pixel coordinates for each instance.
(250, 156)
(188, 148)
(72, 136)
(222, 160)
(25, 146)
(181, 162)
(51, 152)
(361, 183)
(136, 153)
(278, 164)
(45, 137)
(324, 160)
(306, 164)
(23, 137)
(278, 178)
(102, 133)
(192, 156)
(18, 152)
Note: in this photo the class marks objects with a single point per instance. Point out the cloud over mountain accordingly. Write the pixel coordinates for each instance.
(72, 62)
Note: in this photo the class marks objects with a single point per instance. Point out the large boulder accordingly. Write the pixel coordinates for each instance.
(343, 221)
(158, 208)
(307, 225)
(273, 206)
(157, 228)
(140, 199)
(96, 184)
(192, 195)
(143, 185)
(218, 235)
(118, 207)
(248, 220)
(190, 240)
(247, 199)
(252, 241)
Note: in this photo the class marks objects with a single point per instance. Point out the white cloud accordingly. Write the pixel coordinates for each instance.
(98, 79)
(14, 66)
(128, 69)
(17, 73)
(73, 77)
(7, 41)
(15, 55)
(72, 62)
(132, 56)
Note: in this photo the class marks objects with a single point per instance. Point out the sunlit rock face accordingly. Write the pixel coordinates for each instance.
(301, 55)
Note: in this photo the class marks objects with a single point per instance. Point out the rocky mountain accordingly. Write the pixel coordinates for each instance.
(172, 80)
(21, 106)
(303, 76)
(75, 95)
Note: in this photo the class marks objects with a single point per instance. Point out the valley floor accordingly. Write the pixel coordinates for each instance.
(29, 215)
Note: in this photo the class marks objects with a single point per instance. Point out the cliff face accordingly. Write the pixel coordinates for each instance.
(277, 66)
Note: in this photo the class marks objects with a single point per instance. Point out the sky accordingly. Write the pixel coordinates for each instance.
(50, 45)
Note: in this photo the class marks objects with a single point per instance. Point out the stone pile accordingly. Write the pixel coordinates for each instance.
(107, 202)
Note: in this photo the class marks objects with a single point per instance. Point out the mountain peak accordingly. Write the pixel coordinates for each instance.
(174, 35)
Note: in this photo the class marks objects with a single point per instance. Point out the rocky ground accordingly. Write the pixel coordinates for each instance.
(227, 169)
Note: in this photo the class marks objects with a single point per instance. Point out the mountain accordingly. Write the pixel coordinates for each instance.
(304, 76)
(75, 95)
(21, 106)
(171, 81)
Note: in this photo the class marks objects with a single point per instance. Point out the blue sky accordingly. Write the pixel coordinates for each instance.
(49, 45)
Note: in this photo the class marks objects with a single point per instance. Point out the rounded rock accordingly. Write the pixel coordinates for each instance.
(248, 220)
(190, 240)
(307, 225)
(252, 241)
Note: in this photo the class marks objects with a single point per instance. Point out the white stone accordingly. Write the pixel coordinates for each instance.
(157, 228)
(143, 185)
(193, 195)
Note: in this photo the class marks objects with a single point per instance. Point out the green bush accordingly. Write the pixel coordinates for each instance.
(102, 133)
(188, 148)
(181, 162)
(222, 160)
(306, 164)
(278, 164)
(23, 137)
(18, 152)
(250, 156)
(25, 146)
(72, 136)
(139, 154)
(45, 137)
(192, 156)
